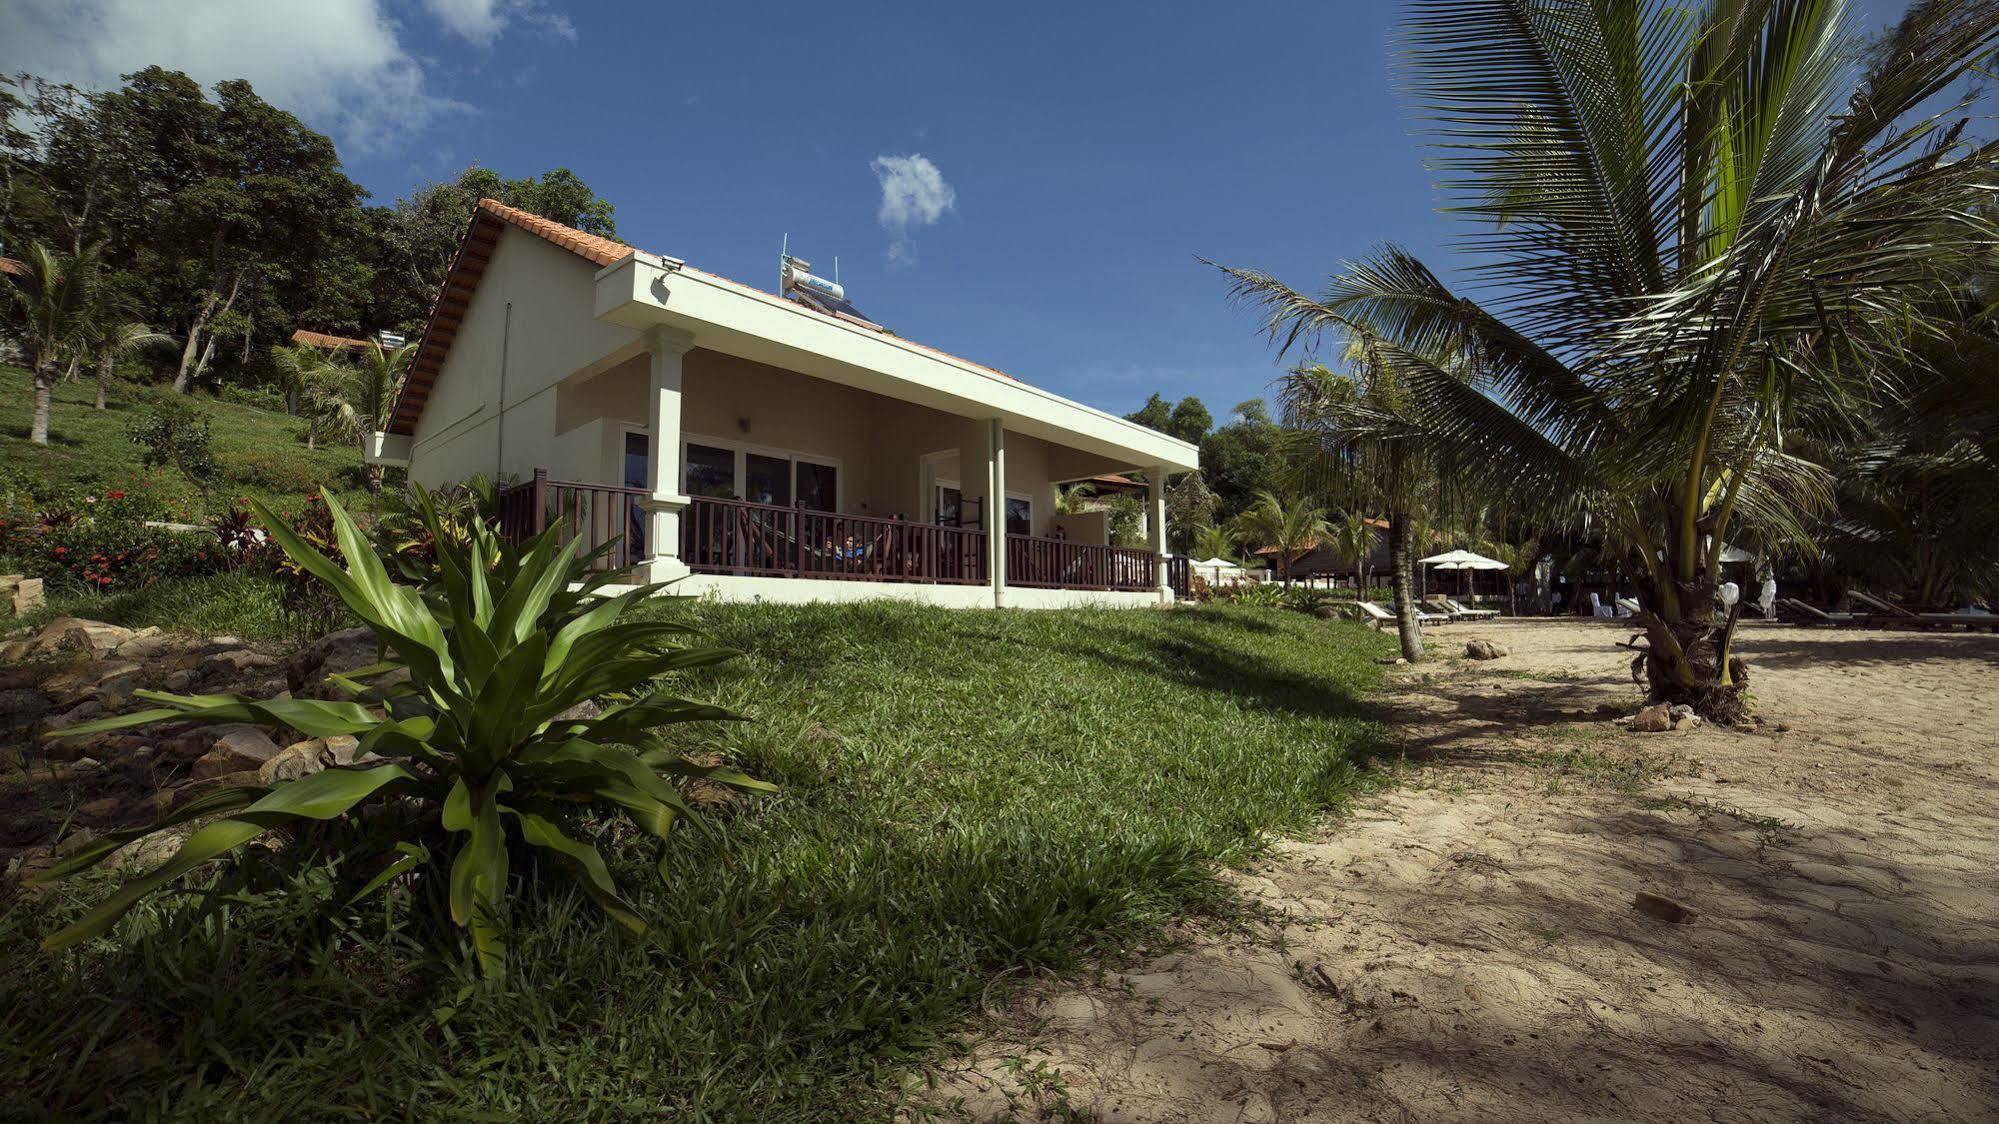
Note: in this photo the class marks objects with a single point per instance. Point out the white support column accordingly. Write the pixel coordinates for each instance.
(1155, 526)
(668, 348)
(996, 509)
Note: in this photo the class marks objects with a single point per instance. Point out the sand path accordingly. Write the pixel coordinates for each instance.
(1464, 946)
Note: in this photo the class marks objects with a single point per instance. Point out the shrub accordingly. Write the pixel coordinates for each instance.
(272, 471)
(256, 397)
(174, 435)
(1262, 594)
(108, 555)
(480, 759)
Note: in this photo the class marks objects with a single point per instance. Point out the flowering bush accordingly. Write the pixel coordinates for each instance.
(116, 555)
(280, 472)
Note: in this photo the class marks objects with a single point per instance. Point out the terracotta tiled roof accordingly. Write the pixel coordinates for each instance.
(321, 339)
(10, 265)
(470, 265)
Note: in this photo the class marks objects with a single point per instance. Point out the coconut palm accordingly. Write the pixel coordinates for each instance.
(1353, 537)
(1520, 559)
(1288, 529)
(51, 298)
(360, 402)
(310, 381)
(1343, 434)
(111, 331)
(1210, 541)
(1699, 227)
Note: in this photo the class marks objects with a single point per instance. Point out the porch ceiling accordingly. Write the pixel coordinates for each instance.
(642, 291)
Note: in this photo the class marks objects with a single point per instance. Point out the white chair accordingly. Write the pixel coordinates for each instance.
(1598, 609)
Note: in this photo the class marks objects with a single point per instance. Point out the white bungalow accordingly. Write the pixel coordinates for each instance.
(755, 445)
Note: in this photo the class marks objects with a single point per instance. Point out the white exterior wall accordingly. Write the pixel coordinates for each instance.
(533, 309)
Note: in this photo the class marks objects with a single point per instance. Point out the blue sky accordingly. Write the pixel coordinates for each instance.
(1090, 150)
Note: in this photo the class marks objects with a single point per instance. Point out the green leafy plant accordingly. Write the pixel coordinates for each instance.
(174, 435)
(477, 755)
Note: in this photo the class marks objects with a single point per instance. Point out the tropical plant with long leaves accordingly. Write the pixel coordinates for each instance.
(1209, 541)
(1699, 229)
(1289, 529)
(482, 756)
(1353, 536)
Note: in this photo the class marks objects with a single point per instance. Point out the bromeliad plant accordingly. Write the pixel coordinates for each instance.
(479, 758)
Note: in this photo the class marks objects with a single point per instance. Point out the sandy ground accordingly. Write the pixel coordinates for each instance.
(1465, 946)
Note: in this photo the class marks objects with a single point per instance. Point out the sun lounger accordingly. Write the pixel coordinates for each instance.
(1797, 612)
(1451, 608)
(1879, 605)
(1627, 606)
(1380, 617)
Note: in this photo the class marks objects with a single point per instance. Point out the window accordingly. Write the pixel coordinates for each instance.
(638, 457)
(711, 471)
(818, 486)
(774, 476)
(1019, 516)
(950, 505)
(767, 479)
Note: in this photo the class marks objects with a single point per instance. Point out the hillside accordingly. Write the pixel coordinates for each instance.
(262, 452)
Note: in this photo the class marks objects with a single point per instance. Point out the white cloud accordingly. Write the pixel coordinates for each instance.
(482, 21)
(914, 195)
(339, 64)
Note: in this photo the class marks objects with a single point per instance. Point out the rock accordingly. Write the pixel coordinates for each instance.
(1656, 719)
(180, 681)
(202, 786)
(75, 634)
(335, 652)
(14, 651)
(235, 661)
(83, 764)
(24, 704)
(85, 679)
(146, 644)
(586, 710)
(102, 808)
(24, 595)
(1482, 649)
(1686, 722)
(1663, 908)
(344, 750)
(299, 759)
(81, 712)
(105, 746)
(73, 842)
(1782, 727)
(242, 749)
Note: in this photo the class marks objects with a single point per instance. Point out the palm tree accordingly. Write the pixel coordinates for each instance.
(112, 330)
(1344, 433)
(1290, 530)
(52, 298)
(308, 378)
(1210, 541)
(1353, 537)
(1520, 558)
(1698, 228)
(369, 392)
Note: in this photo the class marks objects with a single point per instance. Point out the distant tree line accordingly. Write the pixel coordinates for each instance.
(225, 223)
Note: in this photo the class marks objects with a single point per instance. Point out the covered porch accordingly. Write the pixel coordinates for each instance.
(745, 446)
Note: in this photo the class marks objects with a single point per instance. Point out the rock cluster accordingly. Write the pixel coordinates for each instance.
(1483, 649)
(74, 670)
(1659, 718)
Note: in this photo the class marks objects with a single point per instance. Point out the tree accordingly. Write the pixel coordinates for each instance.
(1289, 530)
(1209, 541)
(1155, 414)
(52, 301)
(1699, 232)
(1242, 459)
(112, 330)
(304, 374)
(173, 434)
(361, 400)
(1189, 504)
(1344, 437)
(1520, 559)
(1353, 537)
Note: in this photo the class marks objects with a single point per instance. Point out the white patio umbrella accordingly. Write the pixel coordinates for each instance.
(1460, 560)
(1218, 570)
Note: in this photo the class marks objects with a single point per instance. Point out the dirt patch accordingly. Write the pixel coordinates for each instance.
(1466, 946)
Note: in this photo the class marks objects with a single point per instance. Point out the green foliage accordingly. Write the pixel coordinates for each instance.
(965, 797)
(482, 741)
(107, 555)
(91, 451)
(1261, 595)
(1290, 529)
(174, 435)
(271, 471)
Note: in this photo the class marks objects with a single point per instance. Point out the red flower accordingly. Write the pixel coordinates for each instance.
(114, 494)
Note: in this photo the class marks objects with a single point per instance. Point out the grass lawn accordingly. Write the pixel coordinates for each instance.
(262, 453)
(964, 793)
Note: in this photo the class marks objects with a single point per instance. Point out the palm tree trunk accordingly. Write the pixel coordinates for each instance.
(38, 429)
(104, 367)
(1401, 558)
(312, 433)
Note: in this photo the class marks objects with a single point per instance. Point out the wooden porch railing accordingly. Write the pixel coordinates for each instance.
(1059, 564)
(595, 513)
(720, 536)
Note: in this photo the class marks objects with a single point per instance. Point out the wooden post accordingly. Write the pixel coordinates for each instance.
(538, 492)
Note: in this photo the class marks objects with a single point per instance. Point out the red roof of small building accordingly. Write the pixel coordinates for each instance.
(11, 265)
(476, 250)
(321, 339)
